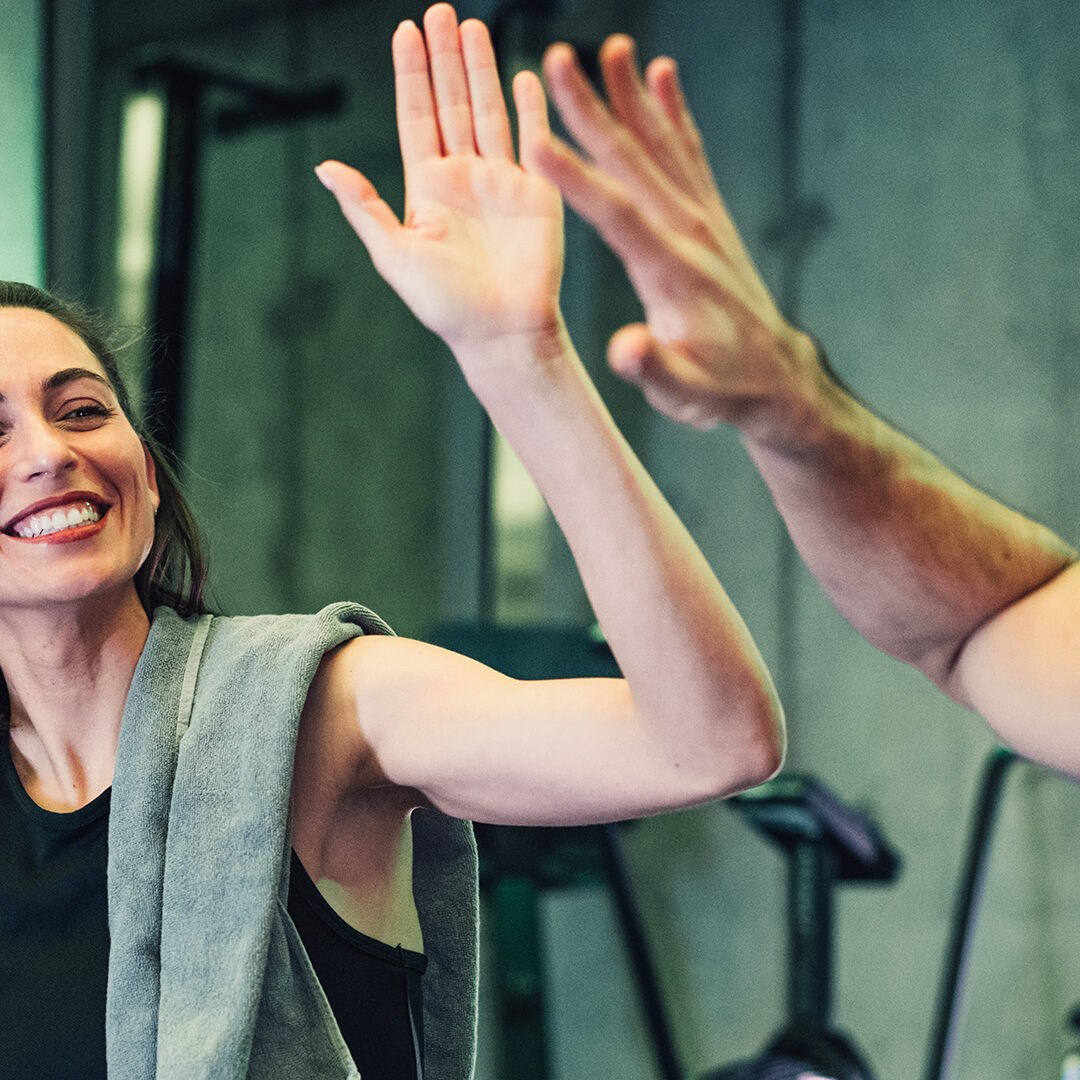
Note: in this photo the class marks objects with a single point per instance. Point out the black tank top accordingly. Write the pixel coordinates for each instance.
(54, 951)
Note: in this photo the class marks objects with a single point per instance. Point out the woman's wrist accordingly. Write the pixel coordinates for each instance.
(517, 361)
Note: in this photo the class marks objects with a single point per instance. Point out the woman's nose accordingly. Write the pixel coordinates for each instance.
(39, 451)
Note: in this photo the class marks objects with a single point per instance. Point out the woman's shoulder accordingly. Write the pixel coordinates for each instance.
(345, 616)
(281, 648)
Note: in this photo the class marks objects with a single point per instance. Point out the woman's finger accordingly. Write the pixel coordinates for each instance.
(533, 126)
(371, 218)
(418, 129)
(448, 80)
(490, 121)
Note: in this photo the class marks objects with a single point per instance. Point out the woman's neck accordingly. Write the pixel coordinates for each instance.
(68, 670)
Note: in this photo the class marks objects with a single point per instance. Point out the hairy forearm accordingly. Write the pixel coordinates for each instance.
(915, 557)
(912, 555)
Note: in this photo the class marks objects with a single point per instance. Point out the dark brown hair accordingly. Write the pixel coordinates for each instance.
(174, 573)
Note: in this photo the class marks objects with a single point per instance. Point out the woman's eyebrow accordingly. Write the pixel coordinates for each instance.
(69, 375)
(73, 374)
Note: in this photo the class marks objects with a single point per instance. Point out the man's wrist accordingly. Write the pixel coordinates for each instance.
(804, 401)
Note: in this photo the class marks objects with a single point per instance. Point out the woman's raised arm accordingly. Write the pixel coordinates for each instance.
(478, 258)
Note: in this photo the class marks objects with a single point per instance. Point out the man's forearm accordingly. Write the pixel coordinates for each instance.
(912, 555)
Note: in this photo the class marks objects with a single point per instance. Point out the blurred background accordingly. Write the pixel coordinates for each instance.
(907, 175)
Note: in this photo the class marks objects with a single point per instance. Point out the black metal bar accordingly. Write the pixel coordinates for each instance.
(797, 807)
(519, 979)
(276, 102)
(176, 240)
(278, 107)
(487, 570)
(800, 222)
(184, 86)
(969, 894)
(633, 931)
(790, 172)
(811, 877)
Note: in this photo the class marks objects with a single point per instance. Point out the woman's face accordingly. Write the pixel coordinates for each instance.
(77, 487)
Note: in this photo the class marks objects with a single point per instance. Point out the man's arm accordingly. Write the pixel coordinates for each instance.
(927, 567)
(912, 555)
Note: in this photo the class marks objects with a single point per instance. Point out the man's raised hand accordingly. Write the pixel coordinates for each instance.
(714, 347)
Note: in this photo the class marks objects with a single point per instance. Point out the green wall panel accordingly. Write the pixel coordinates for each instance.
(20, 142)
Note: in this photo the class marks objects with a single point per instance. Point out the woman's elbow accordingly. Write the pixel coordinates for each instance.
(764, 749)
(755, 755)
(766, 756)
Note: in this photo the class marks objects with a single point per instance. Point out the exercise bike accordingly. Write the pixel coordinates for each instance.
(826, 844)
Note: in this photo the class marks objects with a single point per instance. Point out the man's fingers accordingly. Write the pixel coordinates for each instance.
(586, 117)
(600, 199)
(647, 245)
(636, 108)
(662, 80)
(491, 124)
(609, 143)
(626, 93)
(448, 80)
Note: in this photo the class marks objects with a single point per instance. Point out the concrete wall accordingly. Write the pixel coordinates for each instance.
(942, 138)
(20, 142)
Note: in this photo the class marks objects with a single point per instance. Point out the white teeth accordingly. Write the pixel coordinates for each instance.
(56, 521)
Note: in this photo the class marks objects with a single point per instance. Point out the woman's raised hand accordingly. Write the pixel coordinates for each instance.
(478, 254)
(714, 347)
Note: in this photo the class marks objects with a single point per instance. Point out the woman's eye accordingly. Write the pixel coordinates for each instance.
(86, 414)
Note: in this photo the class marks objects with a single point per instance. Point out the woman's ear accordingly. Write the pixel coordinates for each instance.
(151, 477)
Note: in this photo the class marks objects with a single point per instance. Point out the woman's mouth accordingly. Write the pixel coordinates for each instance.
(59, 519)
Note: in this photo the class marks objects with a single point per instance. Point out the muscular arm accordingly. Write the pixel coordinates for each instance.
(925, 566)
(912, 555)
(478, 258)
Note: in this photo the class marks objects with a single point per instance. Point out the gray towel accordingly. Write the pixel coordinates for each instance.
(208, 979)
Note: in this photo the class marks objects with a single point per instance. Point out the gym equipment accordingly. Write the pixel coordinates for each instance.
(517, 864)
(969, 893)
(826, 843)
(1070, 1067)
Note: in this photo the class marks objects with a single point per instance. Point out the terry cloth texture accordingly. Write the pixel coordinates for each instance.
(208, 979)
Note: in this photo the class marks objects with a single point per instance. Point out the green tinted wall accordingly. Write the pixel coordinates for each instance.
(20, 140)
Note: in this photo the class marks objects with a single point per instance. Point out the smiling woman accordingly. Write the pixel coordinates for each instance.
(230, 847)
(174, 573)
(66, 446)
